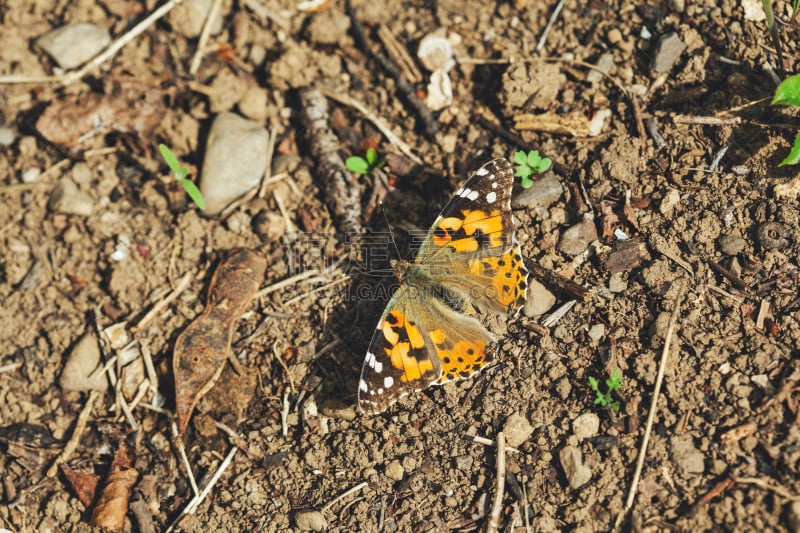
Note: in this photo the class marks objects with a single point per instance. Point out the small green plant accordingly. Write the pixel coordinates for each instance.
(529, 164)
(788, 93)
(605, 399)
(365, 165)
(181, 174)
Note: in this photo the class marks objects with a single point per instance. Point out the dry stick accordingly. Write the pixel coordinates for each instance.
(341, 189)
(74, 439)
(429, 125)
(204, 35)
(399, 54)
(262, 191)
(345, 494)
(653, 405)
(489, 442)
(73, 76)
(780, 491)
(161, 304)
(549, 26)
(285, 283)
(9, 367)
(182, 452)
(706, 121)
(345, 99)
(497, 506)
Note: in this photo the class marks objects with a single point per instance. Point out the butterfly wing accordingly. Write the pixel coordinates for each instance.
(472, 246)
(419, 343)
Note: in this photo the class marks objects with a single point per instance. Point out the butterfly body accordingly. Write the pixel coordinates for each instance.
(469, 261)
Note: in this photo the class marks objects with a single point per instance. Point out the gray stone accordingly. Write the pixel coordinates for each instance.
(74, 44)
(543, 193)
(188, 18)
(235, 160)
(517, 430)
(668, 51)
(6, 136)
(338, 409)
(539, 299)
(395, 470)
(68, 200)
(83, 371)
(576, 239)
(576, 472)
(310, 520)
(731, 244)
(586, 425)
(603, 66)
(688, 458)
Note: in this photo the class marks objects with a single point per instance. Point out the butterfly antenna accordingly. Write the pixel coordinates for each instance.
(391, 233)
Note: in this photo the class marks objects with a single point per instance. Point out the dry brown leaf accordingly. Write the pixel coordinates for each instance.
(112, 505)
(84, 485)
(202, 349)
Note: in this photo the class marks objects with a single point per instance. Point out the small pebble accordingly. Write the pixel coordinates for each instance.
(668, 51)
(310, 520)
(614, 36)
(539, 299)
(586, 425)
(763, 382)
(576, 472)
(463, 462)
(731, 244)
(72, 45)
(82, 371)
(189, 16)
(544, 192)
(394, 470)
(596, 332)
(793, 516)
(235, 160)
(67, 199)
(753, 10)
(30, 174)
(517, 430)
(576, 239)
(269, 226)
(603, 66)
(6, 136)
(617, 283)
(668, 203)
(253, 104)
(686, 456)
(338, 409)
(773, 236)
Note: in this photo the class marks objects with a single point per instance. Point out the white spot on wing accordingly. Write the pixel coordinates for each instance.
(388, 381)
(494, 185)
(378, 366)
(491, 197)
(380, 391)
(370, 360)
(473, 195)
(482, 171)
(363, 385)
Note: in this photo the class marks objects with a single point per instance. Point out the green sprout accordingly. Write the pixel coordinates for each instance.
(362, 165)
(181, 173)
(528, 164)
(788, 93)
(613, 383)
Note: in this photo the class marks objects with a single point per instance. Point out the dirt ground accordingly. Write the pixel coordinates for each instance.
(682, 159)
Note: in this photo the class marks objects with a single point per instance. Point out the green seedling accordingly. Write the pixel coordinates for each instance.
(530, 164)
(788, 93)
(605, 399)
(181, 174)
(365, 165)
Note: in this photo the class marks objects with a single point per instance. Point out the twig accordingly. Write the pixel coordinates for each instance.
(161, 304)
(497, 505)
(204, 35)
(258, 7)
(345, 99)
(262, 191)
(9, 367)
(399, 54)
(333, 283)
(285, 414)
(77, 432)
(236, 439)
(653, 405)
(182, 451)
(707, 121)
(758, 482)
(285, 283)
(341, 191)
(73, 76)
(345, 494)
(192, 506)
(489, 442)
(407, 91)
(549, 26)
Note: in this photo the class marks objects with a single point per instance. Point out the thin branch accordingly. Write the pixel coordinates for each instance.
(343, 495)
(161, 304)
(546, 32)
(497, 505)
(204, 35)
(651, 415)
(75, 438)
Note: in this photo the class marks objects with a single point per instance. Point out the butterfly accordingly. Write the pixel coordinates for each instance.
(470, 261)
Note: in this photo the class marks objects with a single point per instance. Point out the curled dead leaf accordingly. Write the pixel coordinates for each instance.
(112, 505)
